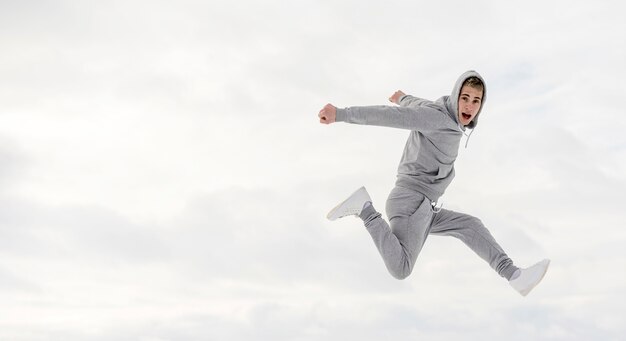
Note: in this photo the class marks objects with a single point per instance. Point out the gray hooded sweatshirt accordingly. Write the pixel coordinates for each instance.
(427, 163)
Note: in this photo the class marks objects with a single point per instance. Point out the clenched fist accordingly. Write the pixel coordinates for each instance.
(328, 114)
(395, 98)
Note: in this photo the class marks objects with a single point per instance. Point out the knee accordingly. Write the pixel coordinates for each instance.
(474, 222)
(400, 276)
(401, 273)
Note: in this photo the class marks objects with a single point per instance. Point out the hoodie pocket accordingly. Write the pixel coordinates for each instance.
(444, 171)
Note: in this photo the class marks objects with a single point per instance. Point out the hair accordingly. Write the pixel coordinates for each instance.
(474, 82)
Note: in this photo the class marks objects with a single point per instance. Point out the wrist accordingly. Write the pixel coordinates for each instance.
(340, 115)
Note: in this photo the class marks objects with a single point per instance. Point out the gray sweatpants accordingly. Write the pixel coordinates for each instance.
(412, 219)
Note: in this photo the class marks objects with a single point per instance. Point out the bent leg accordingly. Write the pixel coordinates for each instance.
(410, 215)
(474, 234)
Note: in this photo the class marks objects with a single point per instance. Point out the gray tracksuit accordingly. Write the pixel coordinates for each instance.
(425, 171)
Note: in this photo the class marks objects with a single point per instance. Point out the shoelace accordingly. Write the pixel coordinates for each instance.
(354, 211)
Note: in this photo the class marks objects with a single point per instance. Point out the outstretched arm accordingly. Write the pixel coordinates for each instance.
(328, 114)
(422, 118)
(408, 115)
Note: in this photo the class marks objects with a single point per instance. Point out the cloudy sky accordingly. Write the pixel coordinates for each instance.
(163, 175)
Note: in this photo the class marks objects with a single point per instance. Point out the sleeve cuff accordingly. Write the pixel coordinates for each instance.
(341, 115)
(403, 98)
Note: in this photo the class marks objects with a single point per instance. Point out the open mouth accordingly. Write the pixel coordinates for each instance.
(466, 116)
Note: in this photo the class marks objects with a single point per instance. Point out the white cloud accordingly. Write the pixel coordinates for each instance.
(164, 176)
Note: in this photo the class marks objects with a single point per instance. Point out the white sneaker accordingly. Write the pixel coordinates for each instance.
(351, 206)
(530, 277)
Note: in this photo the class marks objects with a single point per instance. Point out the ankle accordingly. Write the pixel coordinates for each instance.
(368, 212)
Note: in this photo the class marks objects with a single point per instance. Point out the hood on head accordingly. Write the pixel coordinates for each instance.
(452, 102)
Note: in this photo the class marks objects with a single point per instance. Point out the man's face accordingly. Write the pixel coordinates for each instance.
(469, 104)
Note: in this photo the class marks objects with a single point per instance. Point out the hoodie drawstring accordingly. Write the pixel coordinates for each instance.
(468, 137)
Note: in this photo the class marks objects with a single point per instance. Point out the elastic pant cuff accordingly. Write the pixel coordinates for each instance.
(368, 213)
